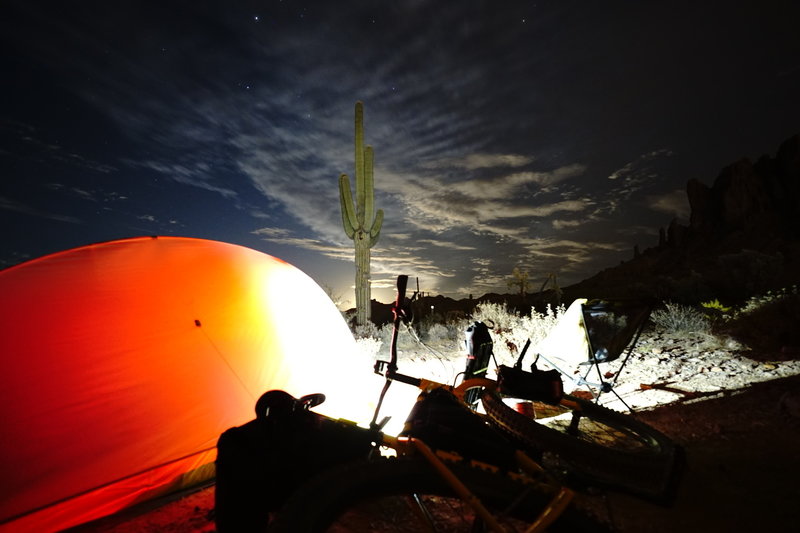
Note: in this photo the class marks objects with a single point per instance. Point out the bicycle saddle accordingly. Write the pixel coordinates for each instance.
(280, 403)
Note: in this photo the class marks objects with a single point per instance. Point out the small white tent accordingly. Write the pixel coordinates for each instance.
(567, 344)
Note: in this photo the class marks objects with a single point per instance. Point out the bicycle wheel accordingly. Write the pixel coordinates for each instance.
(593, 444)
(407, 495)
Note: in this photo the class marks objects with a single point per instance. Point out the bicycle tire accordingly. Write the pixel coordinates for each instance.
(603, 447)
(370, 495)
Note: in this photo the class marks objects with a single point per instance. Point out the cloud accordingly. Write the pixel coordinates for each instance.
(285, 237)
(505, 186)
(479, 161)
(91, 195)
(564, 256)
(195, 174)
(436, 205)
(445, 244)
(18, 207)
(632, 170)
(565, 224)
(28, 141)
(673, 203)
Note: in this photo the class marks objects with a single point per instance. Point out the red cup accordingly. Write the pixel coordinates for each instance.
(526, 408)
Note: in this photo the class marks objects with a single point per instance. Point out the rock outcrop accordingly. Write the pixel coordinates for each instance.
(749, 197)
(743, 237)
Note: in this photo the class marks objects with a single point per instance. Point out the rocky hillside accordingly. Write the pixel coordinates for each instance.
(743, 238)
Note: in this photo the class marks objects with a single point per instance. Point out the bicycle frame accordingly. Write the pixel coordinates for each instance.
(410, 445)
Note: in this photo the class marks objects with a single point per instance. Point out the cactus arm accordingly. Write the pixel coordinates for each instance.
(375, 230)
(361, 190)
(348, 213)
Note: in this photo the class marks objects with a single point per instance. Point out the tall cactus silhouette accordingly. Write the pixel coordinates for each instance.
(361, 222)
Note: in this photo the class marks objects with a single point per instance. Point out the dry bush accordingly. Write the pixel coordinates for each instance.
(679, 318)
(510, 330)
(446, 341)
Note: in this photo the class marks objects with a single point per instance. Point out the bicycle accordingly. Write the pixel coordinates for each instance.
(503, 466)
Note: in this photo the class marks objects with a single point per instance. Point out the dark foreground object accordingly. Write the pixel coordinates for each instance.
(260, 463)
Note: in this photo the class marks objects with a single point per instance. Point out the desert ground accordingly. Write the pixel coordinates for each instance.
(736, 414)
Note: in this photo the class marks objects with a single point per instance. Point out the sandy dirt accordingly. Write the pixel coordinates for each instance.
(742, 463)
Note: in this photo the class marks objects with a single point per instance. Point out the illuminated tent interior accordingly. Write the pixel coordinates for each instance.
(124, 361)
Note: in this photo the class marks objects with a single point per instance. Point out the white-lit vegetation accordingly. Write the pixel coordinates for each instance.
(442, 343)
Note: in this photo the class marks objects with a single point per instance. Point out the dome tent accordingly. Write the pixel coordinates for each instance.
(124, 361)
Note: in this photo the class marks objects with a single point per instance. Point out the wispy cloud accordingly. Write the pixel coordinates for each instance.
(89, 195)
(445, 244)
(437, 205)
(674, 203)
(31, 145)
(284, 237)
(196, 174)
(509, 186)
(633, 176)
(8, 204)
(563, 224)
(478, 161)
(639, 165)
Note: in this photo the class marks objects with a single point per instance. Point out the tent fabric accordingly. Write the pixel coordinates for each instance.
(123, 362)
(567, 344)
(591, 328)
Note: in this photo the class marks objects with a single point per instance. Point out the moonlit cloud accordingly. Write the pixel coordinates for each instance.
(30, 142)
(196, 175)
(674, 203)
(478, 161)
(7, 204)
(509, 186)
(562, 224)
(444, 244)
(636, 167)
(285, 238)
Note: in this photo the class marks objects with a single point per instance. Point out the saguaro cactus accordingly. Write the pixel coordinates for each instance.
(361, 222)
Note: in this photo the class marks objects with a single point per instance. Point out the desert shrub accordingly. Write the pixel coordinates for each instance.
(368, 348)
(366, 331)
(438, 334)
(510, 329)
(770, 297)
(428, 341)
(715, 305)
(680, 318)
(715, 311)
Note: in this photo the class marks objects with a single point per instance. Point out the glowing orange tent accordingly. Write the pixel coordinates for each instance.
(122, 363)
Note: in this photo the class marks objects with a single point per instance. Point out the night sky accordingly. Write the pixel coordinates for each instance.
(549, 135)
